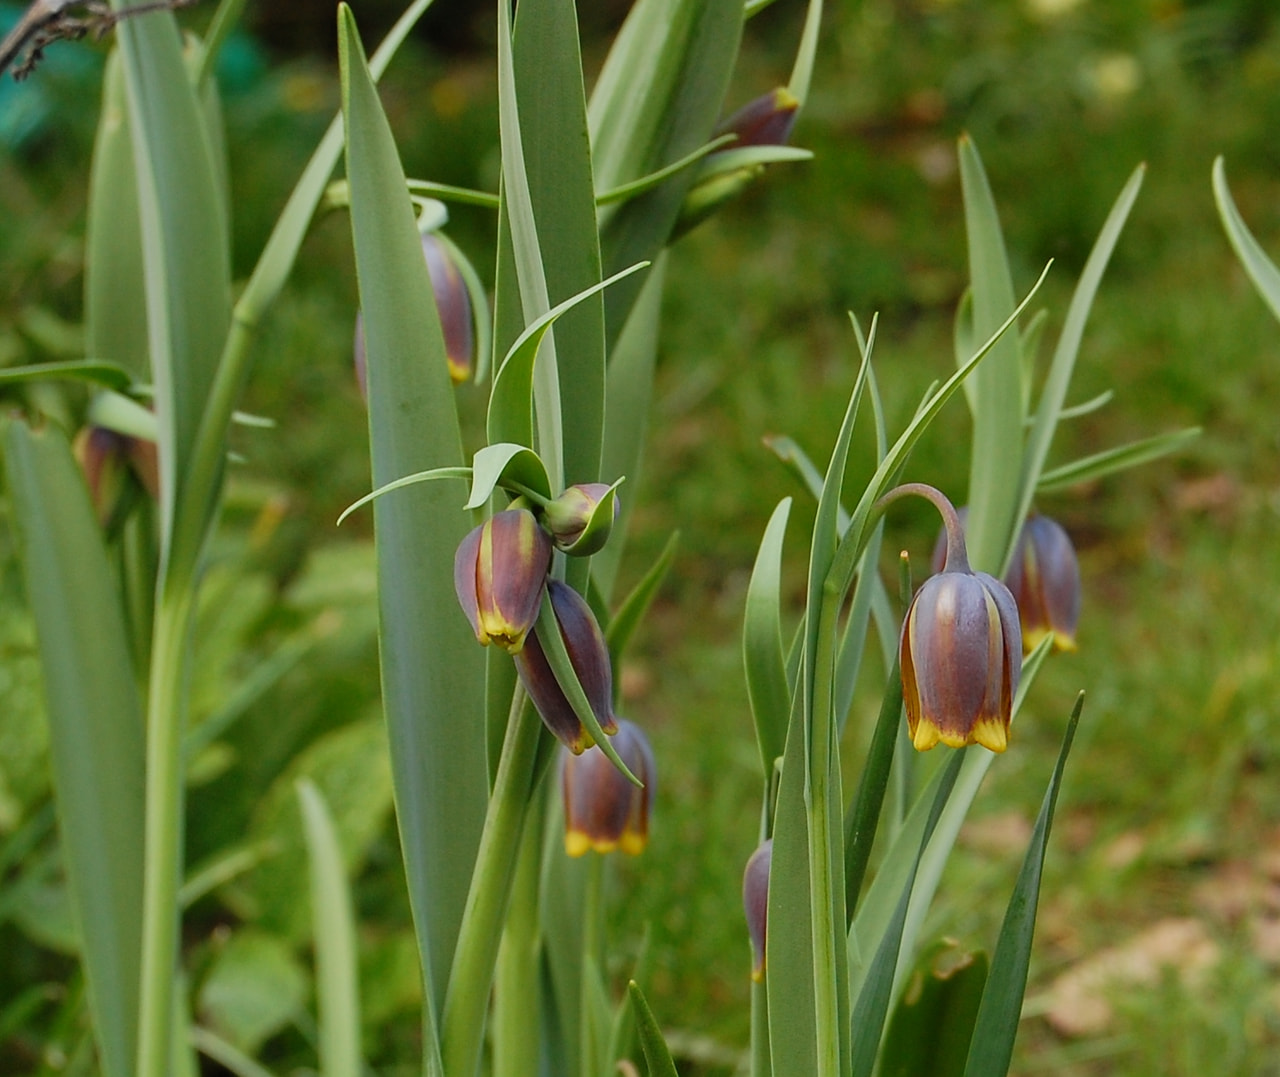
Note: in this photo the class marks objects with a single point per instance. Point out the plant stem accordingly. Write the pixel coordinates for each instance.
(516, 993)
(166, 717)
(467, 997)
(593, 949)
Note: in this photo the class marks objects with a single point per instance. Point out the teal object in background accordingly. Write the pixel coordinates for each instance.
(72, 70)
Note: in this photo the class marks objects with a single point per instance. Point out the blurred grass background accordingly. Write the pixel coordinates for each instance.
(1171, 812)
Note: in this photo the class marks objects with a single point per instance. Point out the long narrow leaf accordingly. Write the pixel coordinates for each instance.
(995, 461)
(1261, 269)
(872, 1007)
(337, 981)
(1119, 458)
(432, 672)
(95, 723)
(656, 1052)
(762, 654)
(997, 1024)
(553, 129)
(185, 244)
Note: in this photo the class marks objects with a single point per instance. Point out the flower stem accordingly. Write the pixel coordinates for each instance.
(166, 713)
(957, 559)
(467, 997)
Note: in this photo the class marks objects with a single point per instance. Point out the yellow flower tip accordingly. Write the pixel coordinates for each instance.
(757, 973)
(632, 843)
(576, 843)
(925, 736)
(991, 733)
(459, 369)
(1064, 641)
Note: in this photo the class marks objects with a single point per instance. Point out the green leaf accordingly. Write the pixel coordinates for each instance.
(864, 814)
(846, 561)
(628, 393)
(656, 179)
(185, 250)
(514, 383)
(656, 1052)
(501, 463)
(931, 1027)
(430, 475)
(1261, 269)
(762, 654)
(996, 456)
(1116, 459)
(1054, 394)
(115, 304)
(657, 100)
(90, 371)
(254, 988)
(95, 722)
(789, 956)
(334, 935)
(802, 70)
(996, 1026)
(557, 158)
(872, 1004)
(432, 671)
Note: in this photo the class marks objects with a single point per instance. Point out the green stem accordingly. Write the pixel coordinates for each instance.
(516, 1005)
(823, 890)
(467, 997)
(593, 948)
(166, 715)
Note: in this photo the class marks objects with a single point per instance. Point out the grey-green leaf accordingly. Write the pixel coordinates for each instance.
(95, 719)
(432, 671)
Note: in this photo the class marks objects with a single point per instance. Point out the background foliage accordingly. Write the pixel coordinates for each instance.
(1169, 813)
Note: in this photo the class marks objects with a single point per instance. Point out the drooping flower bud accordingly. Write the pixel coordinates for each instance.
(755, 902)
(961, 657)
(960, 649)
(111, 463)
(581, 518)
(765, 121)
(499, 573)
(453, 303)
(603, 811)
(1044, 578)
(589, 656)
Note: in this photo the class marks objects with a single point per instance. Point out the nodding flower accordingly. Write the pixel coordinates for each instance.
(499, 573)
(589, 656)
(755, 902)
(1044, 578)
(453, 304)
(603, 811)
(960, 648)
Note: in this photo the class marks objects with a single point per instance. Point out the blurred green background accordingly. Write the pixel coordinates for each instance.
(1161, 900)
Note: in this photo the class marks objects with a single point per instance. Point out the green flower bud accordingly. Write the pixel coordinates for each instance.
(755, 902)
(453, 303)
(603, 811)
(581, 518)
(499, 573)
(589, 656)
(1044, 578)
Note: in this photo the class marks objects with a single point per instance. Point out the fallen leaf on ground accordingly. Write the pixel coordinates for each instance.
(1079, 999)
